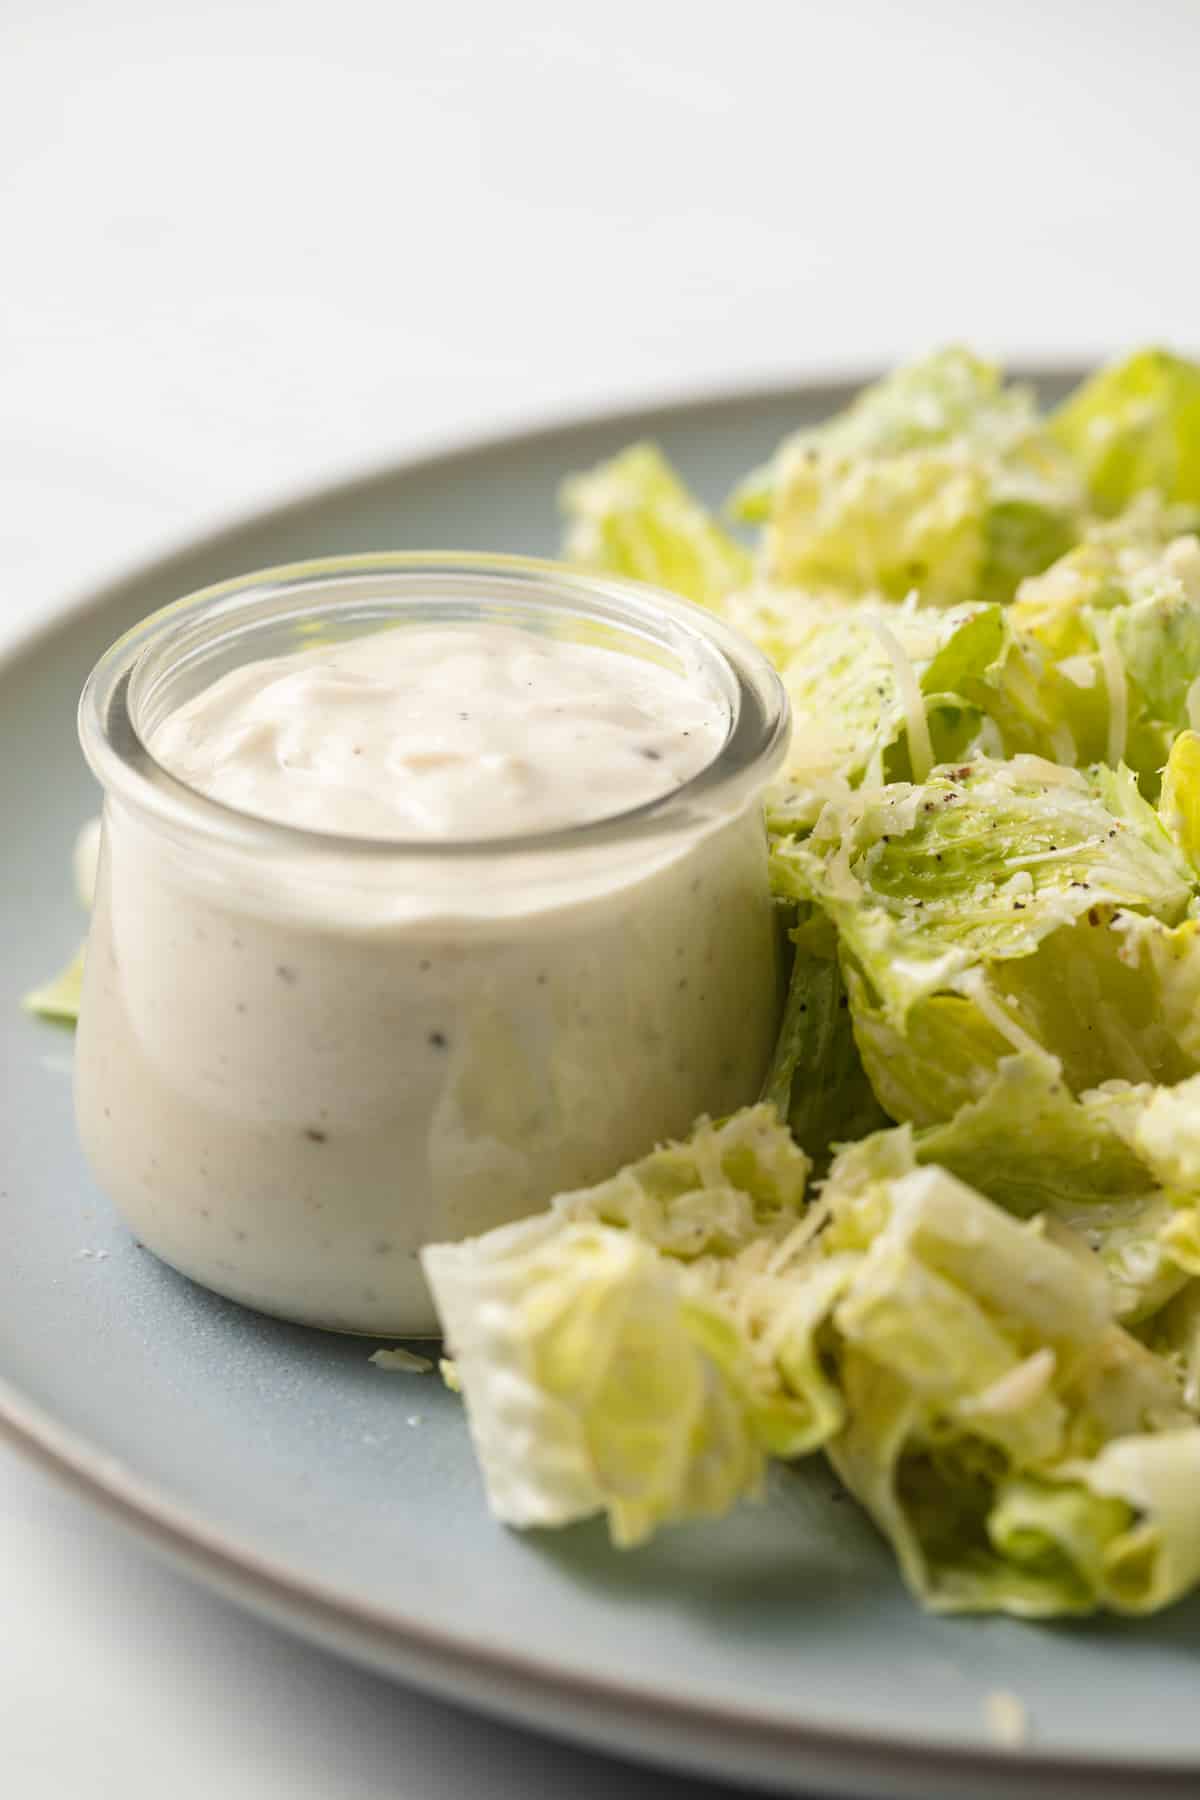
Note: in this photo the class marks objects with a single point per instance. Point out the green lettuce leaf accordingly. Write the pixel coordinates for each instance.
(731, 1184)
(979, 1367)
(1121, 1531)
(1002, 907)
(1179, 802)
(976, 866)
(633, 516)
(961, 1367)
(1101, 654)
(592, 1382)
(601, 1370)
(817, 1081)
(1112, 997)
(872, 687)
(1174, 1334)
(938, 479)
(1163, 1126)
(1136, 425)
(1033, 1148)
(58, 999)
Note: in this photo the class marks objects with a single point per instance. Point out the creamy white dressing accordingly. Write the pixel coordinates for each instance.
(297, 1067)
(456, 731)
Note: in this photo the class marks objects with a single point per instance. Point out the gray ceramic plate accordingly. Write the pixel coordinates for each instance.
(279, 1465)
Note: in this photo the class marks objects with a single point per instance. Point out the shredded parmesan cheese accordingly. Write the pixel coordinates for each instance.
(920, 744)
(974, 985)
(1006, 1719)
(1118, 692)
(402, 1362)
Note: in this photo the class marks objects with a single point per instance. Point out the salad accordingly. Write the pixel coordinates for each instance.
(955, 1248)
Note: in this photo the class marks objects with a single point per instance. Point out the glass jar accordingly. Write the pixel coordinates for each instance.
(303, 1055)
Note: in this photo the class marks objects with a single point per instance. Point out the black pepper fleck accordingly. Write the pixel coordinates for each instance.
(285, 972)
(438, 1040)
(313, 1135)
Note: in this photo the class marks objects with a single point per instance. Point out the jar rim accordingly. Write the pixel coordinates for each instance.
(121, 760)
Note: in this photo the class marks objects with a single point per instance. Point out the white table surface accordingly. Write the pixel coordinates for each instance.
(248, 247)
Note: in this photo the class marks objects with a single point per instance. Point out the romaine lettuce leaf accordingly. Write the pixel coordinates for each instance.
(816, 1080)
(870, 687)
(938, 479)
(1174, 1334)
(738, 1182)
(1179, 801)
(1033, 1148)
(1121, 1531)
(1163, 1126)
(1004, 907)
(59, 998)
(961, 1366)
(980, 1366)
(633, 516)
(1112, 997)
(592, 1382)
(944, 1055)
(601, 1369)
(1136, 425)
(1101, 655)
(977, 866)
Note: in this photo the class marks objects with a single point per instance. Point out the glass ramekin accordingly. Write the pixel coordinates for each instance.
(303, 1055)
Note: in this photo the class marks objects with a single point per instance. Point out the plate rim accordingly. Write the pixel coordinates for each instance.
(380, 1635)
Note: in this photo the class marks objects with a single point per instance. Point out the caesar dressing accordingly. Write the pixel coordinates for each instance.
(305, 1054)
(464, 731)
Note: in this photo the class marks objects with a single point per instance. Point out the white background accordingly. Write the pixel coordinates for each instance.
(247, 247)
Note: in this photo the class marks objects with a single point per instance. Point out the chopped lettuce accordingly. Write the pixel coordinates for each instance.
(981, 1372)
(59, 998)
(999, 907)
(1174, 1334)
(633, 516)
(738, 1182)
(1033, 1148)
(961, 1367)
(817, 1081)
(939, 479)
(1120, 1531)
(871, 688)
(1101, 655)
(593, 1382)
(1136, 426)
(1179, 802)
(600, 1372)
(928, 883)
